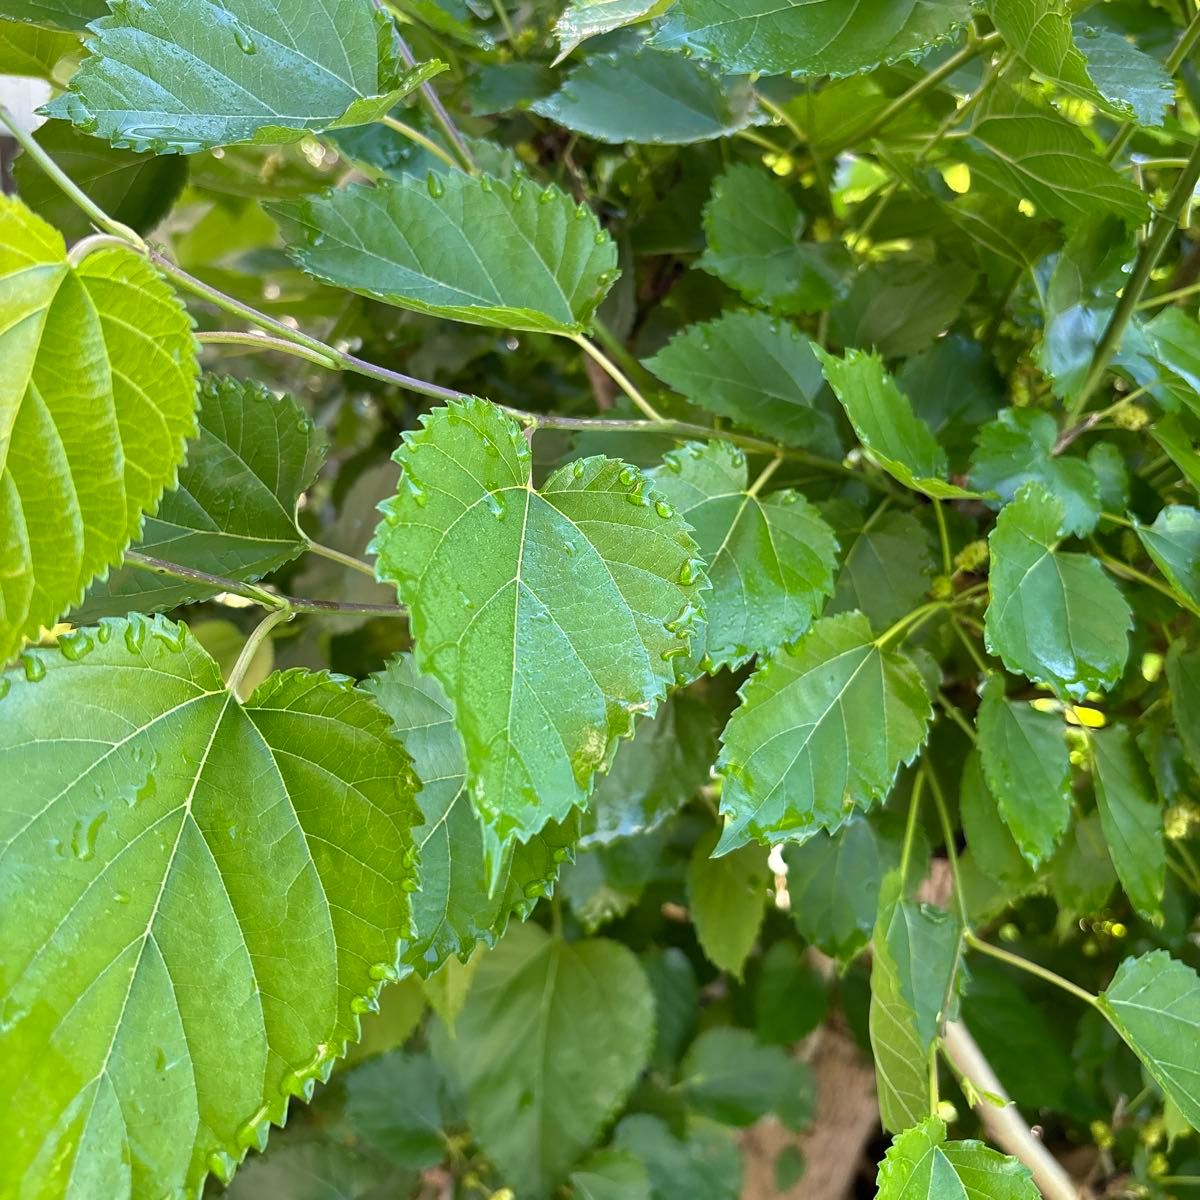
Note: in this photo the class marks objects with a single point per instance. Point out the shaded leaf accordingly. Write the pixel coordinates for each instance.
(611, 1175)
(705, 1165)
(1183, 676)
(56, 14)
(993, 846)
(728, 899)
(1081, 874)
(28, 50)
(1173, 541)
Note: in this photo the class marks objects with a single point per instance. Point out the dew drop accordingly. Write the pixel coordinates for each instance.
(135, 635)
(568, 548)
(83, 837)
(222, 1165)
(495, 505)
(663, 509)
(122, 898)
(628, 476)
(534, 890)
(409, 885)
(561, 854)
(546, 197)
(436, 185)
(383, 971)
(76, 645)
(4, 686)
(104, 634)
(35, 667)
(245, 43)
(578, 469)
(601, 237)
(687, 574)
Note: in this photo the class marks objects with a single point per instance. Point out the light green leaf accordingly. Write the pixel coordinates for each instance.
(1019, 148)
(135, 189)
(884, 421)
(705, 1164)
(97, 398)
(752, 231)
(546, 1051)
(759, 372)
(823, 727)
(1027, 769)
(799, 37)
(56, 14)
(728, 900)
(233, 511)
(728, 1075)
(198, 75)
(1154, 1004)
(579, 599)
(649, 97)
(991, 843)
(583, 19)
(1131, 818)
(200, 897)
(471, 249)
(28, 50)
(912, 984)
(888, 567)
(770, 558)
(1018, 448)
(1053, 616)
(610, 1175)
(1183, 678)
(834, 881)
(448, 987)
(921, 1165)
(1173, 541)
(460, 904)
(1126, 82)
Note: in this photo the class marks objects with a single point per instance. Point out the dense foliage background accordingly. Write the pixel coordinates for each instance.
(643, 560)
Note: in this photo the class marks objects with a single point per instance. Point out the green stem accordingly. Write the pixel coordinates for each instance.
(1024, 964)
(944, 537)
(438, 110)
(618, 376)
(920, 615)
(1164, 227)
(764, 475)
(939, 801)
(971, 649)
(757, 139)
(1169, 297)
(415, 135)
(619, 352)
(346, 560)
(955, 714)
(509, 33)
(910, 827)
(785, 119)
(262, 341)
(257, 634)
(1135, 576)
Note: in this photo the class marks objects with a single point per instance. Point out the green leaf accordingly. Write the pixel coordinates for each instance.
(1126, 82)
(912, 981)
(1183, 677)
(610, 1175)
(56, 14)
(728, 1075)
(1027, 769)
(198, 75)
(1174, 339)
(770, 558)
(834, 881)
(538, 1094)
(605, 882)
(884, 421)
(1081, 875)
(1171, 434)
(96, 401)
(471, 249)
(233, 511)
(579, 599)
(676, 1003)
(320, 1170)
(823, 727)
(583, 19)
(705, 1165)
(1154, 1004)
(1173, 541)
(460, 904)
(1019, 148)
(135, 189)
(888, 567)
(758, 372)
(1053, 616)
(791, 998)
(1131, 818)
(654, 775)
(447, 989)
(921, 1165)
(991, 843)
(27, 50)
(798, 37)
(1018, 448)
(647, 97)
(752, 232)
(265, 859)
(728, 900)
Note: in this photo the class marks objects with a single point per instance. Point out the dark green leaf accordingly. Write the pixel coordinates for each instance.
(790, 998)
(1173, 541)
(320, 1170)
(611, 1175)
(396, 1105)
(705, 1165)
(56, 14)
(728, 900)
(1183, 676)
(1082, 876)
(997, 854)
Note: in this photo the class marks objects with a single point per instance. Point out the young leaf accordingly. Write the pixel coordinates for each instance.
(583, 19)
(798, 37)
(97, 398)
(578, 600)
(1154, 1004)
(550, 1041)
(459, 905)
(1019, 148)
(194, 76)
(471, 249)
(1173, 541)
(1018, 448)
(1027, 769)
(752, 232)
(883, 419)
(823, 727)
(1053, 616)
(770, 558)
(912, 981)
(233, 510)
(834, 881)
(921, 1165)
(704, 1164)
(728, 1075)
(757, 372)
(265, 859)
(647, 97)
(728, 900)
(1131, 819)
(988, 836)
